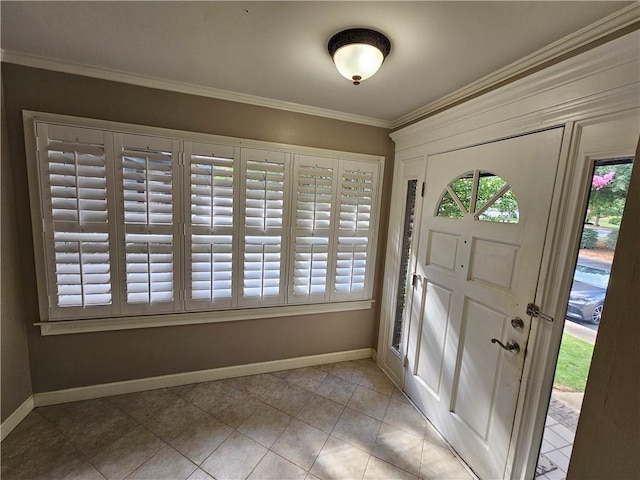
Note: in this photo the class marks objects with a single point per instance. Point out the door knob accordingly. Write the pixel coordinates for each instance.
(511, 346)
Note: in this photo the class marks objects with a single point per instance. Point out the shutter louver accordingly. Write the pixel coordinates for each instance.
(150, 223)
(314, 192)
(264, 191)
(74, 176)
(355, 229)
(211, 186)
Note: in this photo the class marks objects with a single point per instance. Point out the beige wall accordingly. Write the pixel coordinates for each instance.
(607, 444)
(83, 359)
(14, 355)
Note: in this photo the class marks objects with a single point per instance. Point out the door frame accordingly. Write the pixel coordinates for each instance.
(600, 83)
(556, 280)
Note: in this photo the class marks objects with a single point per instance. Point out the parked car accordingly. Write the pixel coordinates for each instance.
(590, 281)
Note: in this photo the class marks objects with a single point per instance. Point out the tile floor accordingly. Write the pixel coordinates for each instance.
(557, 442)
(342, 421)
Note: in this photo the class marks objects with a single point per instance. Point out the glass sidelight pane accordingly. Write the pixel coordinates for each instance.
(404, 274)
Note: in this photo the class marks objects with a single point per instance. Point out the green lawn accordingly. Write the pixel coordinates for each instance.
(574, 360)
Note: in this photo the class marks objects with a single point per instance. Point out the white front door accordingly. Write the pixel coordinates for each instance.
(483, 228)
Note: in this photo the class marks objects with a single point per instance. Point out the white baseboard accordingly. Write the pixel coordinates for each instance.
(16, 417)
(131, 386)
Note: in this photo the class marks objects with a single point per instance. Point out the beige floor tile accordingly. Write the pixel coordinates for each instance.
(265, 387)
(327, 367)
(235, 458)
(200, 475)
(274, 467)
(380, 470)
(365, 362)
(201, 438)
(433, 437)
(77, 471)
(357, 429)
(203, 395)
(321, 413)
(126, 454)
(91, 437)
(168, 423)
(54, 458)
(122, 437)
(290, 399)
(405, 416)
(399, 396)
(438, 463)
(145, 405)
(400, 448)
(336, 389)
(308, 378)
(339, 460)
(350, 371)
(235, 407)
(300, 443)
(265, 425)
(27, 439)
(167, 464)
(369, 402)
(89, 425)
(374, 379)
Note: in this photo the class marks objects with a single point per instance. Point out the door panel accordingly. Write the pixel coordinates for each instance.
(481, 239)
(434, 329)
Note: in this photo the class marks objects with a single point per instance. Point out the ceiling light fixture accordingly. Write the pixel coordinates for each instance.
(358, 52)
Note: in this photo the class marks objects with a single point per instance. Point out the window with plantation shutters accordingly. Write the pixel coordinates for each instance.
(150, 221)
(133, 225)
(356, 197)
(73, 175)
(265, 187)
(212, 172)
(314, 186)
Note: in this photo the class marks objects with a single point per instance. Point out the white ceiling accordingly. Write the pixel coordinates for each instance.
(277, 50)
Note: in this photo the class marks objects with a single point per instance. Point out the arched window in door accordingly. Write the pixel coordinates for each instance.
(482, 195)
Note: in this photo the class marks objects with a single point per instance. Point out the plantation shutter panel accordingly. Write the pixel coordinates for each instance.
(211, 184)
(77, 220)
(315, 182)
(151, 220)
(357, 194)
(265, 189)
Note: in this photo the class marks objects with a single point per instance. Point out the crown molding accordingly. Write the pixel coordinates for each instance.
(544, 95)
(602, 28)
(589, 34)
(47, 63)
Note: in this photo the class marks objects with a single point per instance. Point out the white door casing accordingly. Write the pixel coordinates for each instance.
(476, 277)
(412, 171)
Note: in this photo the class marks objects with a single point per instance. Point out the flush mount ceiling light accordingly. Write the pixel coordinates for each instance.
(358, 52)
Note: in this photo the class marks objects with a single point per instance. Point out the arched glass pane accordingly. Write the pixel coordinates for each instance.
(504, 209)
(488, 185)
(448, 207)
(463, 187)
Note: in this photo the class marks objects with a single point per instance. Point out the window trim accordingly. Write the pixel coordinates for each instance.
(54, 327)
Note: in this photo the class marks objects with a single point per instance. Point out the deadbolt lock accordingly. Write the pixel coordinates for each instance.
(517, 323)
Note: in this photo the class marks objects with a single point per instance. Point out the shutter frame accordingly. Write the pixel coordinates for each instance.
(75, 147)
(307, 171)
(218, 157)
(352, 191)
(272, 168)
(159, 238)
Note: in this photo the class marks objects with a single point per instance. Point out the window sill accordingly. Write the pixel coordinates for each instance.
(64, 327)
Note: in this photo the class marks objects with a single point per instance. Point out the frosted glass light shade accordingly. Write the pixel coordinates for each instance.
(358, 61)
(358, 52)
